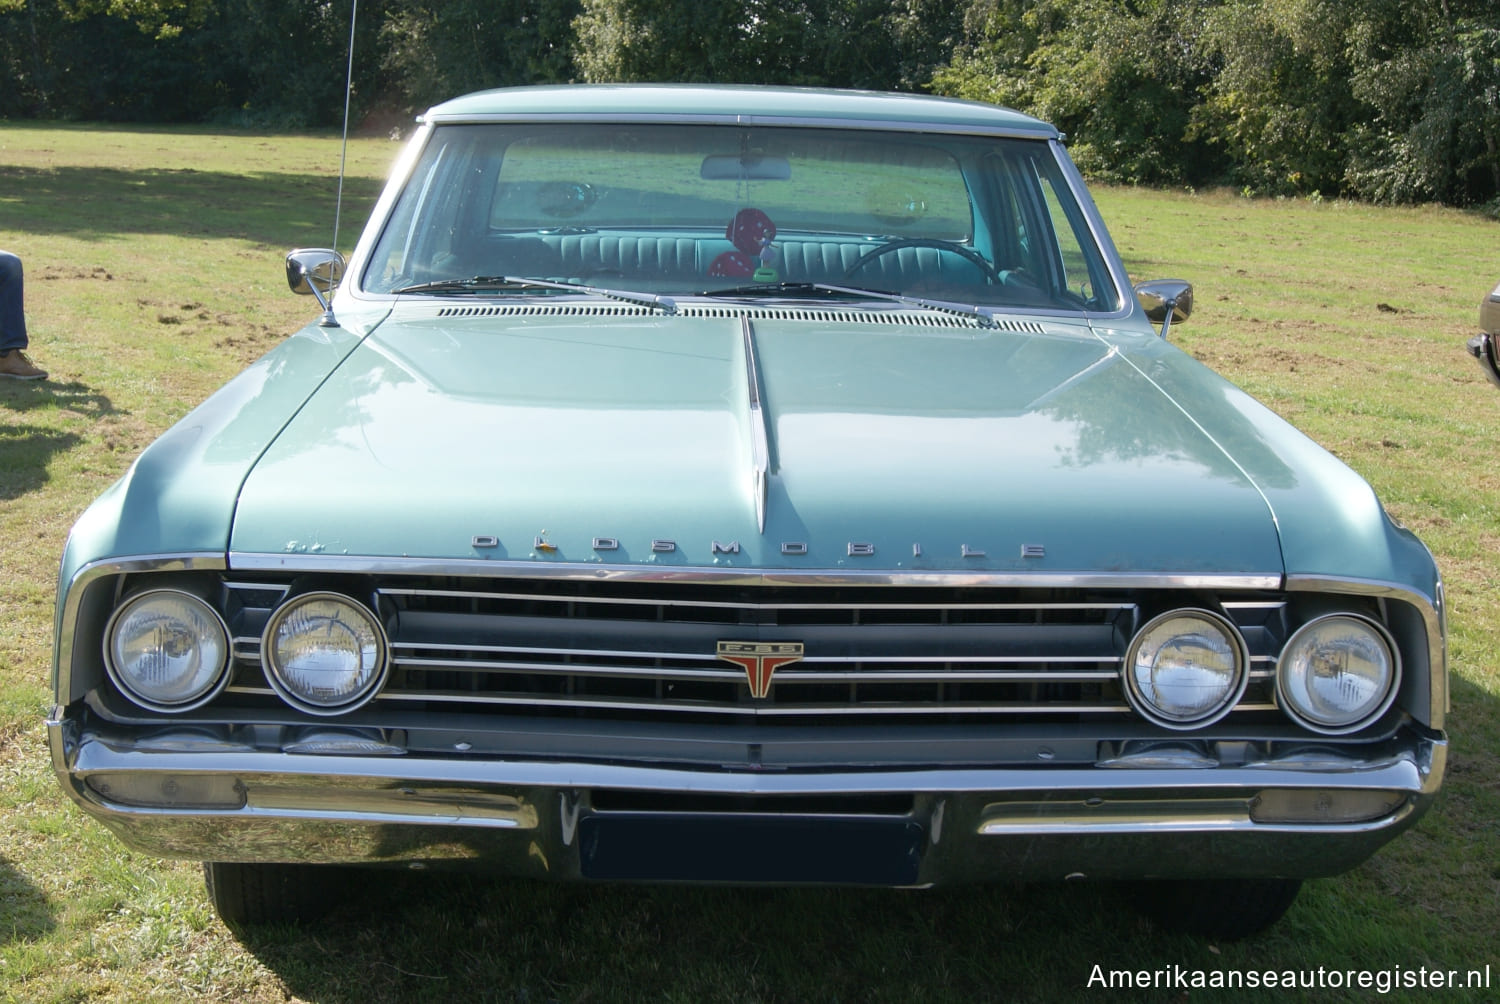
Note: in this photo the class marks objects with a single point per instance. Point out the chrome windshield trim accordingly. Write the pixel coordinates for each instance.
(1430, 608)
(1100, 233)
(1040, 133)
(67, 615)
(748, 575)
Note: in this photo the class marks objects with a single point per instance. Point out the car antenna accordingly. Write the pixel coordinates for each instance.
(328, 320)
(338, 204)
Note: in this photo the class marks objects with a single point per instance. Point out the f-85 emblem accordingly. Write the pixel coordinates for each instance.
(760, 660)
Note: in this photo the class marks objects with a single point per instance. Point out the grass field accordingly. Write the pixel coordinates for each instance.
(154, 273)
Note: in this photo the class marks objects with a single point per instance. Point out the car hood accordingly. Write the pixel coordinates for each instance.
(892, 441)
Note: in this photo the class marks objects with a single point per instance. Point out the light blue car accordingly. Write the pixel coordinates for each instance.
(741, 485)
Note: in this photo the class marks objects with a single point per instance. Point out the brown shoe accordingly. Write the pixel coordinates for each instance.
(15, 365)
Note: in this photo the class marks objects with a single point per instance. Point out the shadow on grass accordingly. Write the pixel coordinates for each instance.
(27, 448)
(16, 395)
(25, 914)
(503, 940)
(96, 203)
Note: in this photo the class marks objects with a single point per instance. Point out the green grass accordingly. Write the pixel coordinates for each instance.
(154, 268)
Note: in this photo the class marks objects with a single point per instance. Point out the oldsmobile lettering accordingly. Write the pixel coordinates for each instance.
(790, 548)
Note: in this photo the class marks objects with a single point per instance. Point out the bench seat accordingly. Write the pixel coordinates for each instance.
(684, 261)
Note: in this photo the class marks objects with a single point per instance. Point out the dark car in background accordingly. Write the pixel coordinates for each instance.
(1483, 346)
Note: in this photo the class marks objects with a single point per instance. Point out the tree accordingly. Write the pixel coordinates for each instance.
(876, 44)
(1431, 75)
(430, 52)
(1280, 101)
(1121, 79)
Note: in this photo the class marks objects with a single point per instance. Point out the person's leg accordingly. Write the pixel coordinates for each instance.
(13, 361)
(12, 306)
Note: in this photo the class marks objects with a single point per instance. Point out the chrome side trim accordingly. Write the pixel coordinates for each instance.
(1431, 610)
(579, 572)
(1168, 818)
(66, 627)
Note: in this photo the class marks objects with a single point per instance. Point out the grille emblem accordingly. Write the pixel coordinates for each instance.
(760, 660)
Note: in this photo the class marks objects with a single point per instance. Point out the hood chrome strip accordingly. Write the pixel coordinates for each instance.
(245, 561)
(760, 450)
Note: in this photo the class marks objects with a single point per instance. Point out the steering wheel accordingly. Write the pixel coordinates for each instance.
(991, 277)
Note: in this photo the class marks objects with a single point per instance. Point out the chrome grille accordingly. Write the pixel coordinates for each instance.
(614, 649)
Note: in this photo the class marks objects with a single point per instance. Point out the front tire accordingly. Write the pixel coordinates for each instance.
(1221, 909)
(249, 895)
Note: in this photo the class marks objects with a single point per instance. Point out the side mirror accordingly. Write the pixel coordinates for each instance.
(1166, 301)
(1489, 312)
(316, 271)
(1482, 347)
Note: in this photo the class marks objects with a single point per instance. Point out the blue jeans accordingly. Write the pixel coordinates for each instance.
(12, 312)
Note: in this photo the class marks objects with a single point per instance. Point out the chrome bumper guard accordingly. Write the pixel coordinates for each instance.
(1135, 813)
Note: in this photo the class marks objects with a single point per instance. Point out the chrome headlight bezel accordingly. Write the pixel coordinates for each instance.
(1291, 696)
(211, 632)
(369, 678)
(1153, 637)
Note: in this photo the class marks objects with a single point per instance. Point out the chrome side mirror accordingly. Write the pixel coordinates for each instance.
(316, 271)
(1483, 345)
(1166, 301)
(1489, 312)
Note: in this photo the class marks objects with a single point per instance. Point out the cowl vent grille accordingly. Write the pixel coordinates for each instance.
(887, 318)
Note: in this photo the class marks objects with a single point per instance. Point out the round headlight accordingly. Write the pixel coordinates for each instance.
(324, 653)
(1337, 674)
(167, 650)
(1185, 669)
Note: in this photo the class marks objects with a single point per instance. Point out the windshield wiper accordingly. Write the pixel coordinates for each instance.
(483, 282)
(780, 289)
(474, 282)
(984, 315)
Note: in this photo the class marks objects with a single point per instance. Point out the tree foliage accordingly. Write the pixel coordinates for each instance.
(1380, 99)
(875, 44)
(431, 51)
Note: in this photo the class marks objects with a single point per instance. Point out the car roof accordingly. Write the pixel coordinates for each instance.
(739, 105)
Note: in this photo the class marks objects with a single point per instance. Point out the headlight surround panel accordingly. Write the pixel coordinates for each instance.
(167, 650)
(325, 653)
(1338, 673)
(1186, 669)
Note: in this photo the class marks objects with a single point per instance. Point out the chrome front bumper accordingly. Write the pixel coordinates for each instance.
(1141, 815)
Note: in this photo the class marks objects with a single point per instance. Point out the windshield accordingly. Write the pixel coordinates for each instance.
(688, 209)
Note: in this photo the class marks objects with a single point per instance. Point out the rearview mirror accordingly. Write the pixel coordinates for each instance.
(744, 167)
